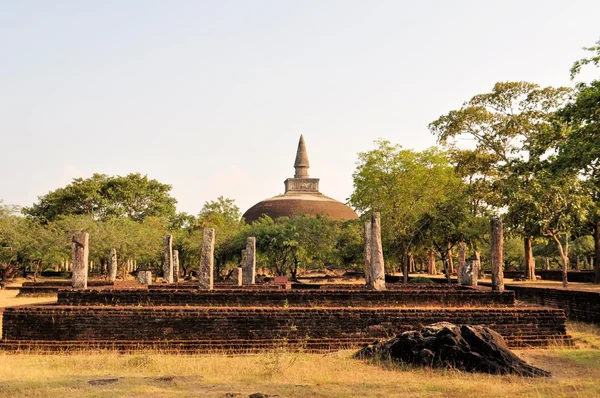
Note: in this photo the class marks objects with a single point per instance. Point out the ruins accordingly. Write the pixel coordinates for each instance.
(211, 316)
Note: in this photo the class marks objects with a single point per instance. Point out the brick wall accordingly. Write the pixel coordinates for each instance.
(289, 298)
(520, 327)
(578, 305)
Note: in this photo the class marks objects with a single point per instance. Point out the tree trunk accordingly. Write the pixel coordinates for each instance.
(405, 267)
(431, 262)
(597, 250)
(450, 260)
(564, 257)
(577, 264)
(497, 247)
(529, 259)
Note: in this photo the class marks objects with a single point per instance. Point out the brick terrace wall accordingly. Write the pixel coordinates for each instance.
(556, 275)
(524, 326)
(217, 286)
(289, 298)
(578, 305)
(65, 283)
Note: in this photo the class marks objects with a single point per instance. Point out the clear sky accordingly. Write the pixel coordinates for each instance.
(212, 96)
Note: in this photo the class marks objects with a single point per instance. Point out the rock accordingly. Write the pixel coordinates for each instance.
(445, 345)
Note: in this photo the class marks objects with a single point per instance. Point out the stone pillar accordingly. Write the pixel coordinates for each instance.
(250, 257)
(144, 277)
(168, 258)
(112, 265)
(236, 276)
(207, 258)
(462, 254)
(175, 265)
(62, 265)
(496, 249)
(367, 252)
(470, 271)
(377, 262)
(81, 249)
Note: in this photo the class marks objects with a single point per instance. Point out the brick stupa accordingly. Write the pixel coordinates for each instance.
(301, 196)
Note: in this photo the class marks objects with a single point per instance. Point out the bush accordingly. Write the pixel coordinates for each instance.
(421, 279)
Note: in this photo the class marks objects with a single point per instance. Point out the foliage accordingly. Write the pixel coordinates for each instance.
(404, 186)
(134, 196)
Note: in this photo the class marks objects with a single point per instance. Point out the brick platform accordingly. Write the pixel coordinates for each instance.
(315, 327)
(452, 297)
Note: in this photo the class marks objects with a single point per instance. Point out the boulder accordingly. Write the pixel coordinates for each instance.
(445, 345)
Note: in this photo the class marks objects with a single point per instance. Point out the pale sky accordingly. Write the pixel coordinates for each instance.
(212, 96)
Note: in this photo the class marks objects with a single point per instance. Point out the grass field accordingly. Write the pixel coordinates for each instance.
(576, 372)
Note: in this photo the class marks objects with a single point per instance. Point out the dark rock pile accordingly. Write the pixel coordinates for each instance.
(445, 345)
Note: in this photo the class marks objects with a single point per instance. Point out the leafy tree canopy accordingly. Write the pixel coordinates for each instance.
(133, 196)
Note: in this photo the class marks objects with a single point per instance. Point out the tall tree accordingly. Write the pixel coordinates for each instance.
(580, 151)
(133, 196)
(403, 185)
(512, 124)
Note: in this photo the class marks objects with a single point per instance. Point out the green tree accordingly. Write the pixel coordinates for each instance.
(403, 185)
(133, 196)
(580, 151)
(514, 126)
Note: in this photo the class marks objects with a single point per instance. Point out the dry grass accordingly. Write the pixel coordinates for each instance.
(576, 372)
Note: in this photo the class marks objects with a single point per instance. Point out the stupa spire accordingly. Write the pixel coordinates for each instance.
(301, 164)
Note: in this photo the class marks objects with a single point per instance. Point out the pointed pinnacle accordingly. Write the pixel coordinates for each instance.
(301, 154)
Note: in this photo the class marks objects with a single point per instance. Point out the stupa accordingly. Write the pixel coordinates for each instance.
(301, 196)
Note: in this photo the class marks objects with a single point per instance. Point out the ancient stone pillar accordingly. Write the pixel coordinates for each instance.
(367, 252)
(236, 276)
(462, 254)
(377, 262)
(470, 271)
(207, 258)
(496, 249)
(168, 258)
(62, 264)
(175, 265)
(81, 249)
(112, 265)
(144, 277)
(250, 257)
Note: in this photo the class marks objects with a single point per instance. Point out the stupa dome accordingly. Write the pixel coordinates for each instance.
(301, 196)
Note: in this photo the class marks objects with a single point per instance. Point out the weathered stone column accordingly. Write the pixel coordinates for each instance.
(496, 248)
(470, 273)
(205, 276)
(112, 265)
(367, 251)
(462, 254)
(144, 277)
(250, 257)
(81, 248)
(377, 262)
(175, 265)
(236, 276)
(168, 258)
